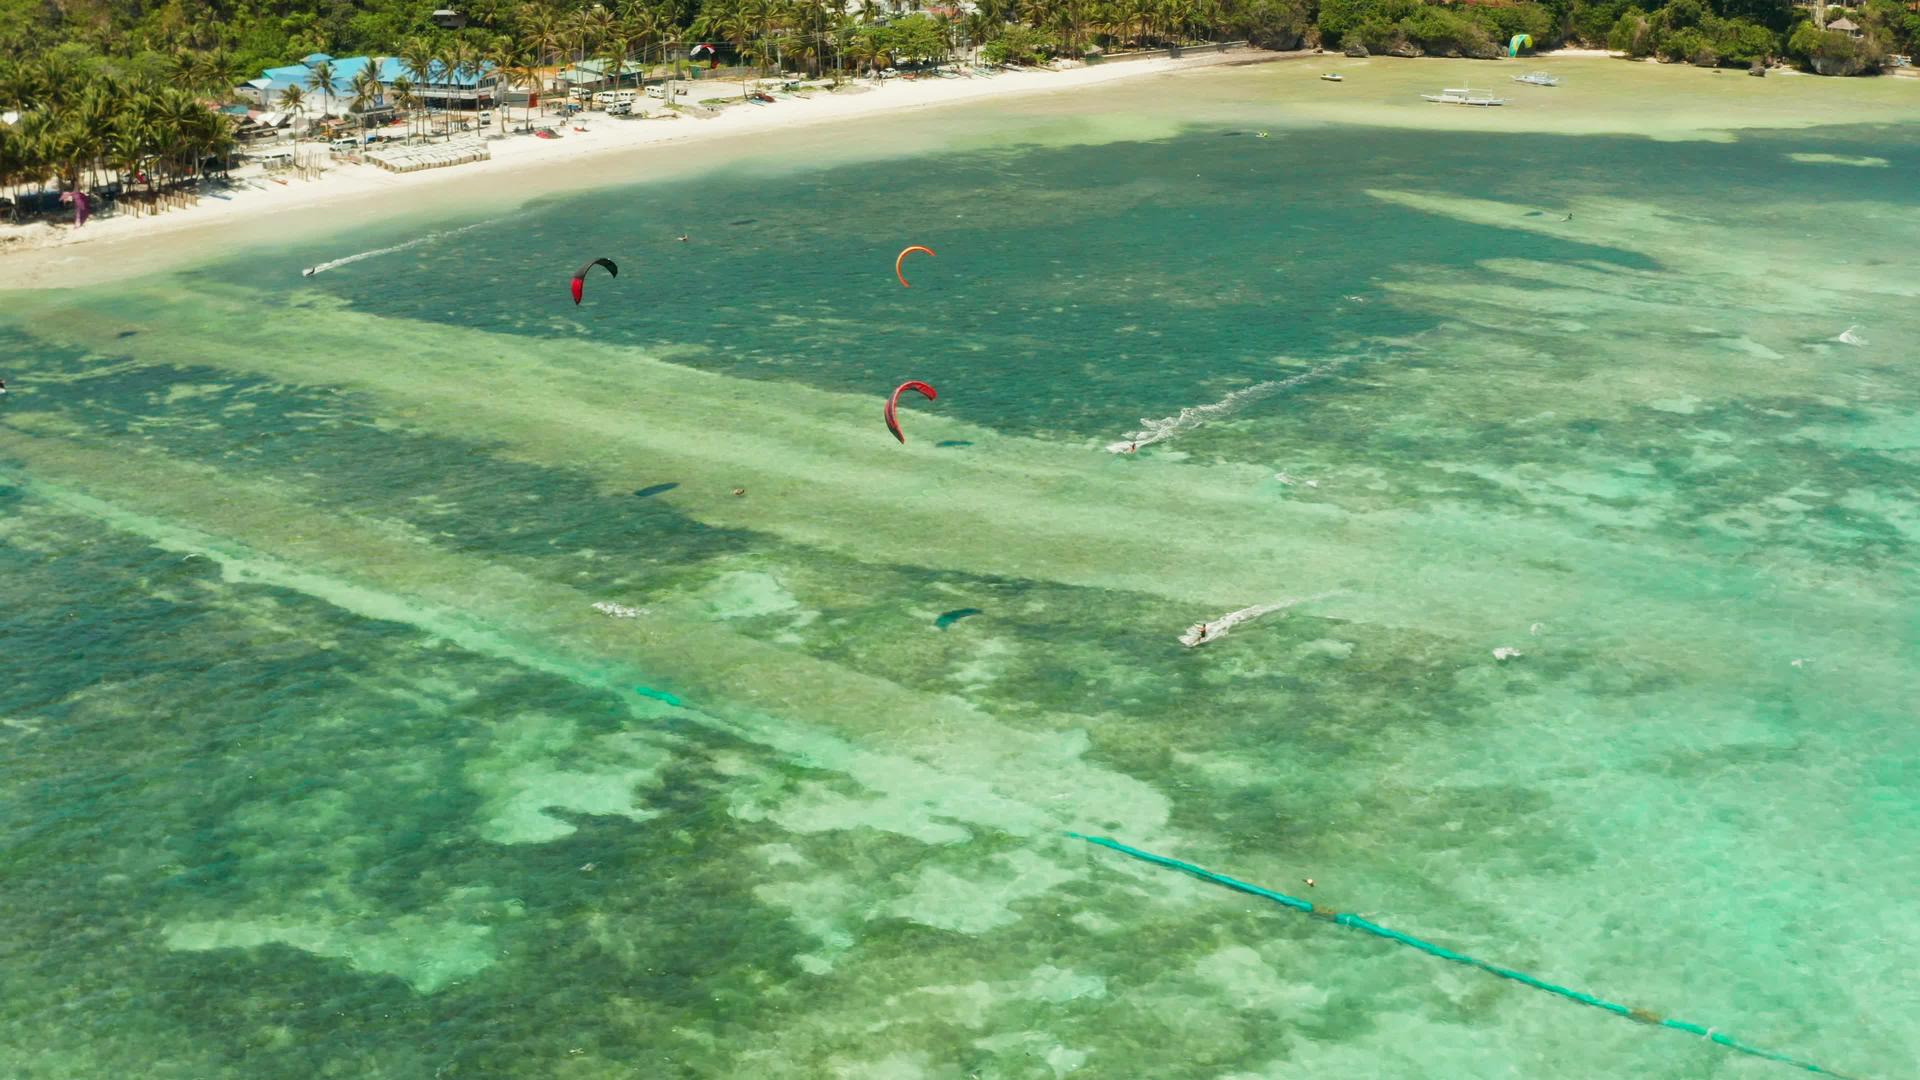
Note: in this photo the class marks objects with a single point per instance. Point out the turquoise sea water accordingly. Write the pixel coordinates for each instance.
(321, 762)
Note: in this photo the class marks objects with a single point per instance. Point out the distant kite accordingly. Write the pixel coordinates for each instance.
(893, 422)
(580, 276)
(903, 258)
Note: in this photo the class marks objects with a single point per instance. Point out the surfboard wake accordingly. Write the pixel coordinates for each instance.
(1193, 416)
(415, 242)
(1213, 630)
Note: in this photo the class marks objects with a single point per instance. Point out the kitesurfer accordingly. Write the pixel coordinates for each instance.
(682, 238)
(1202, 636)
(3, 388)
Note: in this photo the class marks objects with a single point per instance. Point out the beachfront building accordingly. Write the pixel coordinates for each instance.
(440, 88)
(594, 75)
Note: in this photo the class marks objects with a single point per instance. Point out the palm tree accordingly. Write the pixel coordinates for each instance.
(294, 100)
(320, 78)
(442, 66)
(527, 76)
(613, 54)
(866, 49)
(504, 57)
(128, 147)
(461, 62)
(416, 54)
(223, 72)
(644, 28)
(367, 95)
(542, 31)
(405, 100)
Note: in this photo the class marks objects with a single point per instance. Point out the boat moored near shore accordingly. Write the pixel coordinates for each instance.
(1463, 95)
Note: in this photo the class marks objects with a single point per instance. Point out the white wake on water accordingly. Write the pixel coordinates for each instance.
(617, 611)
(1193, 416)
(1848, 336)
(1214, 630)
(415, 242)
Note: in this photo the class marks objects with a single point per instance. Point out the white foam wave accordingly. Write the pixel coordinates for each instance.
(1849, 337)
(1193, 416)
(1215, 629)
(617, 611)
(415, 242)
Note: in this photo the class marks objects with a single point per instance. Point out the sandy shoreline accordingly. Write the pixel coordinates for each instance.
(349, 194)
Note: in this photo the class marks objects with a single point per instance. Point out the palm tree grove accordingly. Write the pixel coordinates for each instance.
(125, 97)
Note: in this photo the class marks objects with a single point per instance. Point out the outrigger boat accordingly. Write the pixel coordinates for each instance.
(1333, 76)
(1537, 78)
(1463, 95)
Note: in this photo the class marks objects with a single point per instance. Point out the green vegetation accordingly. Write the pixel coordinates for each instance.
(146, 131)
(1744, 31)
(1412, 28)
(106, 87)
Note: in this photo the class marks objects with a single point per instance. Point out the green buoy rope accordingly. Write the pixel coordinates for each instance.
(1355, 922)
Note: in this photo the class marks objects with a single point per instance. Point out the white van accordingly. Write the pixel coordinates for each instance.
(656, 92)
(613, 97)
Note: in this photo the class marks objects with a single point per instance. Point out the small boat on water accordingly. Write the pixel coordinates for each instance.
(1333, 76)
(1464, 95)
(1537, 78)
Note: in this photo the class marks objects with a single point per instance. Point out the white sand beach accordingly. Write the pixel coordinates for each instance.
(346, 192)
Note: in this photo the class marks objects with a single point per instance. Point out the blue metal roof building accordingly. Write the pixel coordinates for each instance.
(439, 83)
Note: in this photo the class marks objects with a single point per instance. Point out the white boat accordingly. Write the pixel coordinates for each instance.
(1537, 78)
(1333, 76)
(1464, 95)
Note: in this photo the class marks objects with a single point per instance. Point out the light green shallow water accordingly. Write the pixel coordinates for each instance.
(320, 762)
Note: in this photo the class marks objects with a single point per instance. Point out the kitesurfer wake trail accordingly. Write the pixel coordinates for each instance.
(580, 276)
(893, 422)
(415, 242)
(902, 257)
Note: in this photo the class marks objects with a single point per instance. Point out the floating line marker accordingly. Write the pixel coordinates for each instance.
(1355, 922)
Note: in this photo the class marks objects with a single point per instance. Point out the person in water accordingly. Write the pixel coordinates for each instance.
(3, 388)
(1203, 633)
